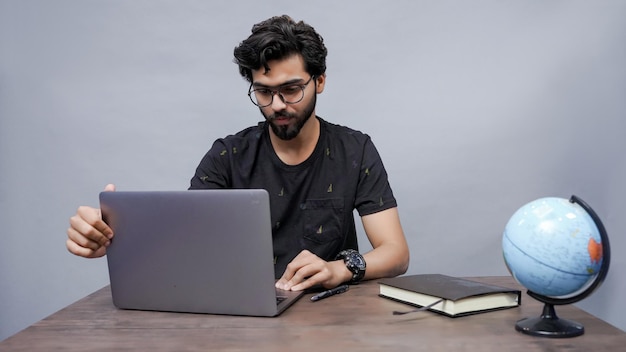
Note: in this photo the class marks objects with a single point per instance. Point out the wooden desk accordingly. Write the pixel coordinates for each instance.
(358, 320)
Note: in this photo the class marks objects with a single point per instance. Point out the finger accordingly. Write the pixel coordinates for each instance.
(318, 272)
(74, 248)
(313, 280)
(300, 260)
(102, 226)
(281, 284)
(93, 217)
(84, 241)
(82, 232)
(88, 223)
(109, 188)
(284, 283)
(308, 275)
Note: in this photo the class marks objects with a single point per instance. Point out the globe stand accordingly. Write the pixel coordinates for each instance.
(549, 325)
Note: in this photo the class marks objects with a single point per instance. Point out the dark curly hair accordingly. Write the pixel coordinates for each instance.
(278, 38)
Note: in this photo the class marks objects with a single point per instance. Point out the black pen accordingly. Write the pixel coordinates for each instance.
(331, 292)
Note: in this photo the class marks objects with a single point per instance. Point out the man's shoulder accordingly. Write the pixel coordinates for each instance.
(252, 133)
(343, 132)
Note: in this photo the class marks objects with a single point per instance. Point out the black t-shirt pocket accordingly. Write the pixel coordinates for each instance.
(323, 226)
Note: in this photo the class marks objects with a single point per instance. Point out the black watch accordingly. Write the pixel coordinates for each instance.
(354, 262)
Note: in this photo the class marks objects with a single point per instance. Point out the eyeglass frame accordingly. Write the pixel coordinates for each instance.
(277, 91)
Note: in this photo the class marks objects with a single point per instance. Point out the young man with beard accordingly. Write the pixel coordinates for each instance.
(316, 172)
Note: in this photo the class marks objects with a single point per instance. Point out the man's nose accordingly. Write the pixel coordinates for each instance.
(278, 103)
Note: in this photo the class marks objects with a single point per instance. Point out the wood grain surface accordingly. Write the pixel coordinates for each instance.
(358, 320)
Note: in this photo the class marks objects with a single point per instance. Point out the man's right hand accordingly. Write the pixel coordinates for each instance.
(88, 235)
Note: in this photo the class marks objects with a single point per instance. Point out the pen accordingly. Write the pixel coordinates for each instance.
(331, 292)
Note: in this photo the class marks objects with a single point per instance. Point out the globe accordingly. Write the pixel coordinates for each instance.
(558, 249)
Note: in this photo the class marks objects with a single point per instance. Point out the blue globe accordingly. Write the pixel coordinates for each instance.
(553, 247)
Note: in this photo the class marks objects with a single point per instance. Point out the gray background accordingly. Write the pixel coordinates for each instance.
(477, 108)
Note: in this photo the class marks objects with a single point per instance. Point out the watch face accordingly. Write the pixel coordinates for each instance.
(358, 260)
(354, 262)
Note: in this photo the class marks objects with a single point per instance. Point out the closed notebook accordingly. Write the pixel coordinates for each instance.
(458, 297)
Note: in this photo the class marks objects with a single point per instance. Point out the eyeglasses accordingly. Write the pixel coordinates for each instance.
(289, 94)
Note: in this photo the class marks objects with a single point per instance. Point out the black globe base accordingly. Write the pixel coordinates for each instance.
(549, 325)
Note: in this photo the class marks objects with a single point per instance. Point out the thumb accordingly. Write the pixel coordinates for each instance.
(109, 188)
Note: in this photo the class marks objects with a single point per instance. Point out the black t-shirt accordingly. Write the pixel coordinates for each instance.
(311, 203)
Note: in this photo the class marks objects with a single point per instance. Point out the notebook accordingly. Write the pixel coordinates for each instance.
(200, 251)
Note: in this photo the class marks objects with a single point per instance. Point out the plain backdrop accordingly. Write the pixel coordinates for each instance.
(477, 107)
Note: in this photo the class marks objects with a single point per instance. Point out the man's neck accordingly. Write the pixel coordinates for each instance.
(300, 148)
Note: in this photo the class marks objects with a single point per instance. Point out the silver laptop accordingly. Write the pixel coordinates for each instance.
(200, 251)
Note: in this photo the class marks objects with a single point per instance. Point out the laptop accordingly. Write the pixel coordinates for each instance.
(199, 251)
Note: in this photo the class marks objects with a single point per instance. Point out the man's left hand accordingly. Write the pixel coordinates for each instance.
(307, 270)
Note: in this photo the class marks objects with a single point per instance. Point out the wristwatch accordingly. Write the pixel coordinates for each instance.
(354, 262)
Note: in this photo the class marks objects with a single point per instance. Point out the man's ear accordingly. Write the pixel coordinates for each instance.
(319, 83)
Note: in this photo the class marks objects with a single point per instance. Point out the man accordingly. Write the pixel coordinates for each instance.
(316, 172)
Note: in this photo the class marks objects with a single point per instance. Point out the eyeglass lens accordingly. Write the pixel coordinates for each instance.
(289, 94)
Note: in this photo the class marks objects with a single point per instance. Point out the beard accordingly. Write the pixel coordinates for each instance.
(290, 131)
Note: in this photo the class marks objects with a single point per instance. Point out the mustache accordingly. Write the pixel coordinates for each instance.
(280, 114)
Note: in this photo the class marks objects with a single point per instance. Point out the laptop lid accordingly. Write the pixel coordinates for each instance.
(200, 251)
